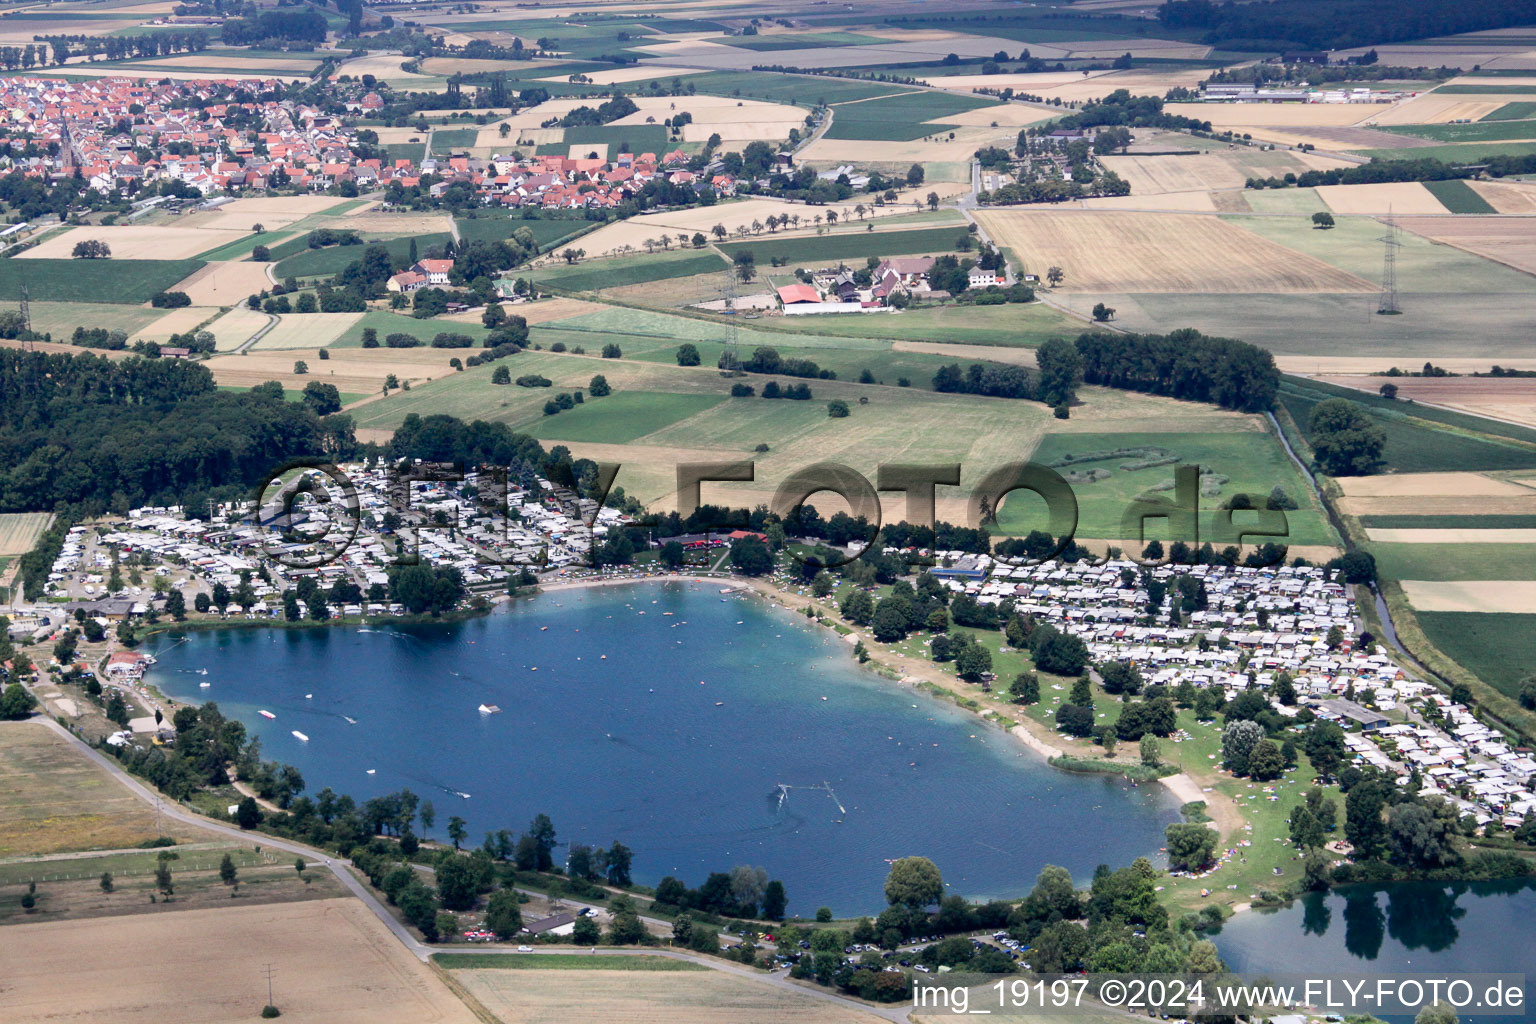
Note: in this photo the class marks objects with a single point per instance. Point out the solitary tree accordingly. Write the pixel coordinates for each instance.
(92, 249)
(1322, 220)
(1054, 276)
(913, 882)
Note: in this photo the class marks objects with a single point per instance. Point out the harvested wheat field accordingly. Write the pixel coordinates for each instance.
(1400, 198)
(398, 224)
(177, 321)
(354, 371)
(1441, 505)
(19, 530)
(306, 330)
(620, 76)
(1409, 535)
(1349, 368)
(224, 284)
(936, 148)
(268, 211)
(262, 66)
(1161, 202)
(333, 961)
(1213, 169)
(236, 327)
(1495, 596)
(1159, 252)
(138, 242)
(1415, 485)
(1440, 108)
(1094, 87)
(1507, 240)
(613, 238)
(1506, 398)
(387, 68)
(1507, 196)
(1302, 115)
(54, 800)
(530, 996)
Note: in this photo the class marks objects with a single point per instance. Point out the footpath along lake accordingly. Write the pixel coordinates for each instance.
(666, 716)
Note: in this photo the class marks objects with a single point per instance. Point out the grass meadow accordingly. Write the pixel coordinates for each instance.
(334, 258)
(857, 247)
(1499, 649)
(1253, 459)
(1416, 443)
(899, 118)
(621, 417)
(623, 270)
(127, 282)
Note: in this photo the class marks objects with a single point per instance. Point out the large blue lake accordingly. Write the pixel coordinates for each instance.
(665, 716)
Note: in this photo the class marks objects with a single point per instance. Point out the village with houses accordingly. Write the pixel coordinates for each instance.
(127, 134)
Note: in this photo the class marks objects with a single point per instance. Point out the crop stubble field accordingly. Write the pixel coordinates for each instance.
(532, 996)
(334, 962)
(1155, 252)
(52, 800)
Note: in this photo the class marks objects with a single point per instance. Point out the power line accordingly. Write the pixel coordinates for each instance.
(1387, 305)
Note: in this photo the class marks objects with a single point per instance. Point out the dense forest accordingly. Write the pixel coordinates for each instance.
(1339, 24)
(1183, 364)
(97, 434)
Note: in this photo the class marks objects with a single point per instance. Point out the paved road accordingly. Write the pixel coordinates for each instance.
(420, 950)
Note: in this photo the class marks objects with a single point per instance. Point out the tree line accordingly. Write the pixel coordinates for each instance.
(88, 432)
(1182, 364)
(1293, 24)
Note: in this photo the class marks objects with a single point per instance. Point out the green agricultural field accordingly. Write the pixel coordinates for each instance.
(1416, 444)
(621, 417)
(1492, 89)
(546, 231)
(1481, 131)
(1469, 152)
(1301, 202)
(1409, 521)
(1499, 649)
(899, 118)
(94, 281)
(1012, 324)
(629, 270)
(792, 89)
(1462, 421)
(852, 246)
(799, 41)
(412, 151)
(885, 364)
(241, 248)
(447, 140)
(61, 318)
(1457, 196)
(333, 259)
(1516, 111)
(1455, 561)
(387, 323)
(642, 138)
(1354, 244)
(1253, 459)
